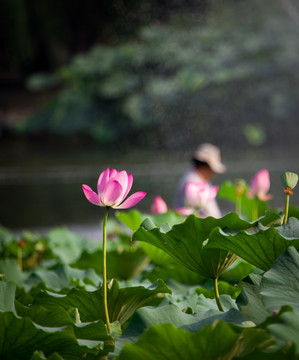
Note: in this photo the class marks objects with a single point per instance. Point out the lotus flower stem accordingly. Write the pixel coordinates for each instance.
(105, 269)
(286, 211)
(217, 295)
(239, 205)
(20, 258)
(255, 212)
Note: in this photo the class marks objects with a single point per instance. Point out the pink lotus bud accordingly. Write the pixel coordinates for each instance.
(158, 206)
(260, 185)
(113, 187)
(199, 194)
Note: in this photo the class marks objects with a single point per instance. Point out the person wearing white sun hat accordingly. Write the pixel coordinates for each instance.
(206, 162)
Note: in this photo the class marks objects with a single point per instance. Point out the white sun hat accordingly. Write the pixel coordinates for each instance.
(210, 154)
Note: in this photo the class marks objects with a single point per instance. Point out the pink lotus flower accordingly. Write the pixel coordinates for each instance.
(260, 185)
(199, 194)
(113, 187)
(158, 206)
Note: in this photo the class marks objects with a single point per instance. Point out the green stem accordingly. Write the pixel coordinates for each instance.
(239, 205)
(217, 295)
(20, 258)
(286, 211)
(255, 210)
(105, 269)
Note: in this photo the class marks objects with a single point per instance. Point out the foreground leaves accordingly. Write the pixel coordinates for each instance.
(122, 302)
(260, 246)
(49, 331)
(216, 341)
(186, 242)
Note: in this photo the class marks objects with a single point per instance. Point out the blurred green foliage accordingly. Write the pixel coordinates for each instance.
(182, 82)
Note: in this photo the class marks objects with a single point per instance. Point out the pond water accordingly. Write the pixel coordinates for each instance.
(42, 195)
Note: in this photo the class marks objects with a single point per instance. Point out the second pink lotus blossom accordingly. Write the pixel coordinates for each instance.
(158, 206)
(260, 185)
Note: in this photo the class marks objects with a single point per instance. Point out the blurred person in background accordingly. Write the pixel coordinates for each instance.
(206, 162)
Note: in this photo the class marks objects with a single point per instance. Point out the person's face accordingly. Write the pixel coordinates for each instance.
(206, 172)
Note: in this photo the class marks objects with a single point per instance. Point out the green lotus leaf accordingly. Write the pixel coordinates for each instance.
(10, 268)
(68, 246)
(38, 355)
(219, 340)
(172, 313)
(7, 296)
(158, 256)
(62, 278)
(122, 302)
(250, 301)
(258, 247)
(21, 337)
(124, 262)
(185, 242)
(280, 285)
(133, 218)
(177, 272)
(287, 329)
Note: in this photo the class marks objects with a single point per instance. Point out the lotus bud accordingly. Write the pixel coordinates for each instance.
(289, 181)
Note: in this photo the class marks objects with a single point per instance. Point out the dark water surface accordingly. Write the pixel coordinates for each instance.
(49, 193)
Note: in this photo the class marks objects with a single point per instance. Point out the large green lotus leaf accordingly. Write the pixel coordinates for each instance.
(122, 302)
(177, 272)
(290, 229)
(20, 338)
(124, 262)
(217, 341)
(287, 351)
(38, 355)
(7, 296)
(133, 218)
(185, 242)
(260, 247)
(197, 303)
(49, 316)
(250, 301)
(158, 256)
(286, 329)
(10, 268)
(68, 246)
(280, 285)
(62, 278)
(56, 316)
(172, 313)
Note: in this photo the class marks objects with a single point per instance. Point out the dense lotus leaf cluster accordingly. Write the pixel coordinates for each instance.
(161, 269)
